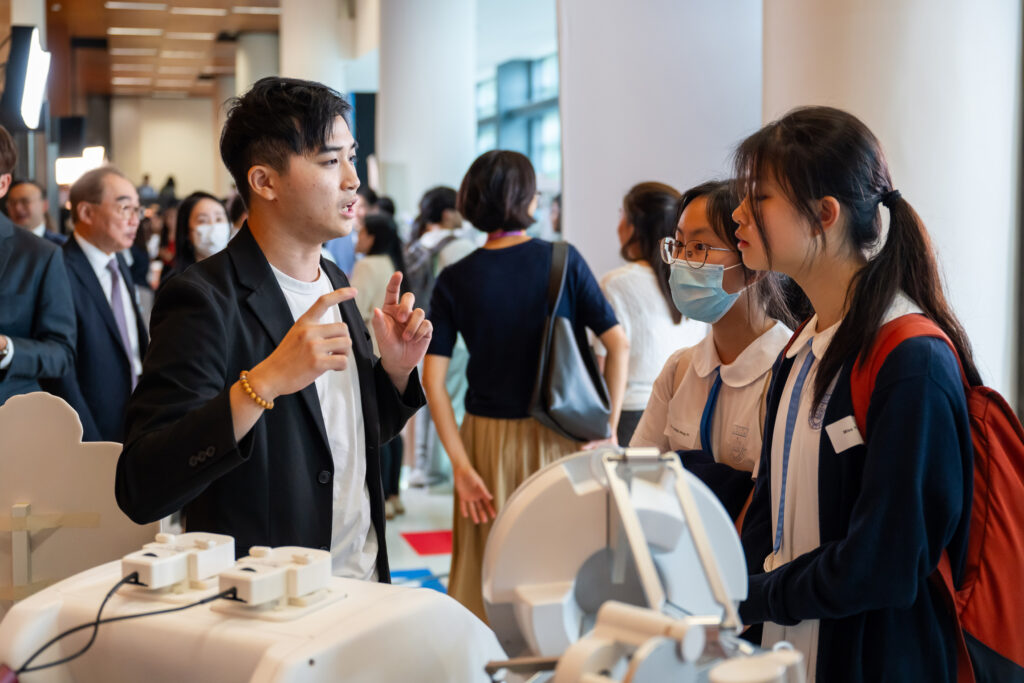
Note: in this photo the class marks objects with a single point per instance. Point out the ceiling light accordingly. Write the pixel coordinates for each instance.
(121, 31)
(160, 6)
(25, 74)
(131, 67)
(256, 10)
(69, 169)
(35, 82)
(133, 52)
(170, 95)
(177, 69)
(172, 35)
(173, 83)
(122, 80)
(181, 54)
(200, 11)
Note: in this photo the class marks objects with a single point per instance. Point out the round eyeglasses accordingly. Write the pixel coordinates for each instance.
(693, 252)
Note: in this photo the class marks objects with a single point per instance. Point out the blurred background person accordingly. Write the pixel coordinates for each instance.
(386, 205)
(168, 216)
(342, 250)
(26, 207)
(237, 213)
(168, 195)
(378, 243)
(201, 230)
(639, 294)
(147, 193)
(497, 298)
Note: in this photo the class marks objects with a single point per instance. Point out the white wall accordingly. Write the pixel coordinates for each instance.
(939, 83)
(165, 137)
(656, 90)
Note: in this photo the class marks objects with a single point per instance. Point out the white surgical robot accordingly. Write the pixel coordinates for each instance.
(619, 565)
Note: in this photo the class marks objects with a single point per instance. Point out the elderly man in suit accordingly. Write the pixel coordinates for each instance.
(37, 319)
(262, 407)
(111, 334)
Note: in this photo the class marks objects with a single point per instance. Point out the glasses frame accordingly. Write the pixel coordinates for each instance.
(670, 245)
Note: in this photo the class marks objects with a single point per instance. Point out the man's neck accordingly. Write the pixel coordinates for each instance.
(85, 238)
(284, 252)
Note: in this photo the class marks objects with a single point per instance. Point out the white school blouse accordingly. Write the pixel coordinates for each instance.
(671, 420)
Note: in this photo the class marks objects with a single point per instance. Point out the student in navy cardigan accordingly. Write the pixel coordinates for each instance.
(845, 530)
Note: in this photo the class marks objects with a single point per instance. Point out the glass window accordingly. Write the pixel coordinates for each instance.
(546, 143)
(486, 137)
(544, 78)
(487, 98)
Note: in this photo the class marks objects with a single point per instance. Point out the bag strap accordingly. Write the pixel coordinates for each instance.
(862, 384)
(556, 281)
(891, 335)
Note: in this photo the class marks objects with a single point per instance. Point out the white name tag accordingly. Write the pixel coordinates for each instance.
(844, 434)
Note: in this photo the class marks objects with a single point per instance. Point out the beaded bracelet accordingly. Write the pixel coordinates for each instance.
(244, 378)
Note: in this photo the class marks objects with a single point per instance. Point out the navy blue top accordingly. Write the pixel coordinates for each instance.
(887, 509)
(497, 300)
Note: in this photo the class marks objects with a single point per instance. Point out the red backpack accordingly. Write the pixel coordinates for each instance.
(990, 601)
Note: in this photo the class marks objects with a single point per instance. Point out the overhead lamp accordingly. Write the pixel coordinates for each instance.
(133, 52)
(119, 80)
(256, 10)
(200, 11)
(176, 35)
(181, 54)
(28, 67)
(158, 6)
(69, 169)
(129, 31)
(173, 83)
(177, 69)
(131, 67)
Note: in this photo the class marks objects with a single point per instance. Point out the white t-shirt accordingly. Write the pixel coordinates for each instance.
(641, 309)
(800, 532)
(353, 539)
(672, 418)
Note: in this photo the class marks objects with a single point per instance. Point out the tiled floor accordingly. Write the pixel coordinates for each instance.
(426, 509)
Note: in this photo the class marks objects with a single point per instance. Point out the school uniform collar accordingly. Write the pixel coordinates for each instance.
(901, 305)
(750, 365)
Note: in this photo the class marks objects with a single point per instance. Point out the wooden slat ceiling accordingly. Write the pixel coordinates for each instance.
(177, 60)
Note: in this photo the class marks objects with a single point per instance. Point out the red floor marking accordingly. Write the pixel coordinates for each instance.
(430, 542)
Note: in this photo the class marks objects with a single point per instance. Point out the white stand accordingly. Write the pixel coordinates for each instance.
(58, 515)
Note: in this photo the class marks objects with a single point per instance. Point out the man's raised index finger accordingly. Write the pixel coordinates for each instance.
(320, 306)
(393, 292)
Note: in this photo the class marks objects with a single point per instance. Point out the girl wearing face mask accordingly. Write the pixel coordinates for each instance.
(202, 230)
(708, 403)
(846, 528)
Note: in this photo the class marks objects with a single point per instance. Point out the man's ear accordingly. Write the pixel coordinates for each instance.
(86, 212)
(264, 182)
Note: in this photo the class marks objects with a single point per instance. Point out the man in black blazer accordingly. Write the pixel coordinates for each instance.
(26, 207)
(112, 337)
(37, 319)
(259, 415)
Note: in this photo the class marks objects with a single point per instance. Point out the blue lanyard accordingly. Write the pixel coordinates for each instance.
(791, 415)
(709, 410)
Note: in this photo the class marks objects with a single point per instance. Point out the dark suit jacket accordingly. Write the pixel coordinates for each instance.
(99, 387)
(35, 310)
(54, 237)
(223, 315)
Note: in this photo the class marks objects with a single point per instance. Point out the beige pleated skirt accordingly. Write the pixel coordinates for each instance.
(504, 453)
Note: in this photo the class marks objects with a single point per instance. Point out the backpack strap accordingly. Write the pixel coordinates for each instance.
(862, 384)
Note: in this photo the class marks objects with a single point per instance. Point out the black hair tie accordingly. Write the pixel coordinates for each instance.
(889, 198)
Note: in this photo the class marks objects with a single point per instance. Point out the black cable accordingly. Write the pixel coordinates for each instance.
(131, 578)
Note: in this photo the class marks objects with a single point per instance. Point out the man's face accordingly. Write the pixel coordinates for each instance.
(318, 191)
(26, 206)
(111, 225)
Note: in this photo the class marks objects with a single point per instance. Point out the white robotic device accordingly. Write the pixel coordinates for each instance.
(619, 565)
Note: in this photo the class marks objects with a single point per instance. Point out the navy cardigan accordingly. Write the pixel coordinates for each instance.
(887, 510)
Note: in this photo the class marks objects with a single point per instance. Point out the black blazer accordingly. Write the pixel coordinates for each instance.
(99, 386)
(35, 310)
(223, 315)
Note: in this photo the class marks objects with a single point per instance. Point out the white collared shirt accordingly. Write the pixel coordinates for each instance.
(353, 539)
(39, 230)
(800, 524)
(99, 259)
(671, 420)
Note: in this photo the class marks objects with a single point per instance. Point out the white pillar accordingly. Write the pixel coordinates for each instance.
(316, 39)
(223, 90)
(655, 90)
(939, 83)
(426, 116)
(256, 56)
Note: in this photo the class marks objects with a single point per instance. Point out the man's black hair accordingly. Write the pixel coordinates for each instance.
(276, 119)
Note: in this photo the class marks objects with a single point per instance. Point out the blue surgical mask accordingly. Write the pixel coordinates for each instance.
(698, 292)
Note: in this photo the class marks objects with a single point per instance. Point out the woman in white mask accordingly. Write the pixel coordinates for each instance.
(708, 403)
(202, 230)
